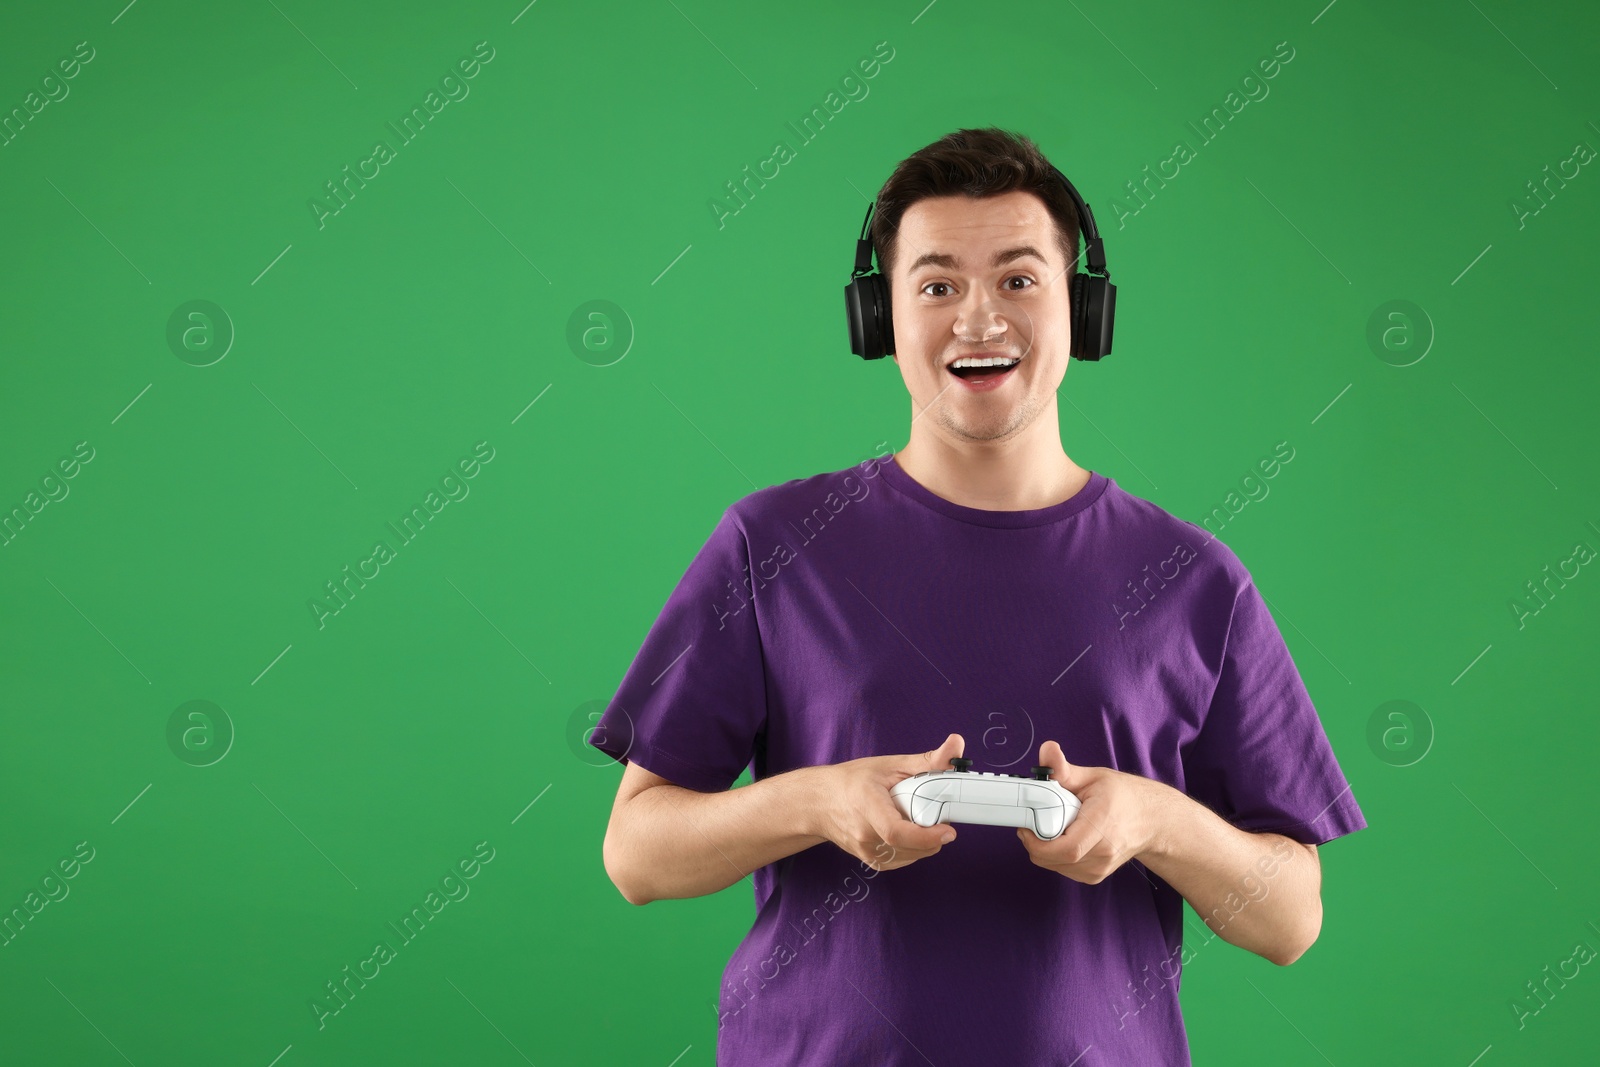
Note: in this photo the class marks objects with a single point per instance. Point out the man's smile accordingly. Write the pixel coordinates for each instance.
(984, 371)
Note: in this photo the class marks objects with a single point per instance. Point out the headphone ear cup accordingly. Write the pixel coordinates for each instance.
(1093, 304)
(856, 302)
(866, 304)
(880, 290)
(1101, 305)
(1080, 303)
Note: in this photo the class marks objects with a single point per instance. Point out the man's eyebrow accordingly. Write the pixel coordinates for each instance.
(949, 262)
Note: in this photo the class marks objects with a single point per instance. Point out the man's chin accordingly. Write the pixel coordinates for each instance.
(989, 427)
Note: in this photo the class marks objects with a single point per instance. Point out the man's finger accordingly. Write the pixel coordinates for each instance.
(939, 758)
(1066, 774)
(902, 833)
(1077, 839)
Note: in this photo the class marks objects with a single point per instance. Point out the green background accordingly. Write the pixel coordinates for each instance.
(445, 704)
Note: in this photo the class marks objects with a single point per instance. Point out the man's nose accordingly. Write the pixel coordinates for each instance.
(980, 320)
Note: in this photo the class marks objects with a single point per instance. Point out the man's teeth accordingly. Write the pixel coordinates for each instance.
(997, 361)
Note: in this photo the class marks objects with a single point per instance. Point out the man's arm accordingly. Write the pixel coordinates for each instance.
(1259, 891)
(665, 842)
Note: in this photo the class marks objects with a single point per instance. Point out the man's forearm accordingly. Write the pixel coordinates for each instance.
(677, 842)
(1259, 891)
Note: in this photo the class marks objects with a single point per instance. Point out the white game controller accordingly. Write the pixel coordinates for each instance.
(1032, 801)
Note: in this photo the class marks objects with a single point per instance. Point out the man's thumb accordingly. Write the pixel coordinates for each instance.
(939, 758)
(1068, 776)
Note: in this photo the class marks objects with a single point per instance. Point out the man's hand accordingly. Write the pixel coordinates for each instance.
(857, 814)
(1122, 817)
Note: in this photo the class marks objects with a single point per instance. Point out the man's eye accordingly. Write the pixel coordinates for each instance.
(1013, 278)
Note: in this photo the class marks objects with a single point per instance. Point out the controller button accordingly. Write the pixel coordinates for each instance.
(1041, 774)
(960, 763)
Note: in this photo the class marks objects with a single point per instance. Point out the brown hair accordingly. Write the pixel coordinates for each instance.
(977, 164)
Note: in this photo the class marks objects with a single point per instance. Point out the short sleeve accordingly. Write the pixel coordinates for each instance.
(1261, 759)
(692, 705)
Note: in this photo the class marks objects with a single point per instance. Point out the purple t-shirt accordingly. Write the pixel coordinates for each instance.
(855, 613)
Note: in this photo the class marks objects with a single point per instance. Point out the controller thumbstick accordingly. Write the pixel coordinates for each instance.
(1041, 774)
(960, 763)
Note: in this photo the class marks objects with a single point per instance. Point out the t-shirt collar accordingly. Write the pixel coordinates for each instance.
(896, 476)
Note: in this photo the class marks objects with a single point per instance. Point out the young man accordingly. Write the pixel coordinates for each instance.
(975, 594)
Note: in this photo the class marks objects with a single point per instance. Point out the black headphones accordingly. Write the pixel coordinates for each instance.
(1093, 299)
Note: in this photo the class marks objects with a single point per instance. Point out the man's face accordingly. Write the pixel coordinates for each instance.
(951, 298)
